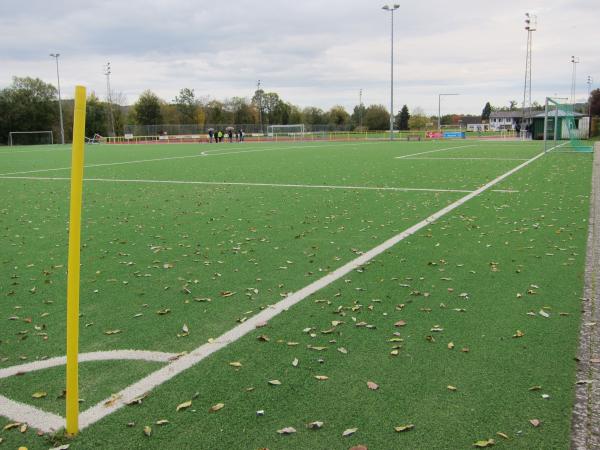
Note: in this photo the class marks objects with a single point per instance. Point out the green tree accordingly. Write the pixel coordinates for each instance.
(594, 101)
(485, 114)
(313, 116)
(358, 115)
(28, 104)
(377, 118)
(242, 111)
(418, 120)
(147, 109)
(512, 105)
(95, 116)
(402, 119)
(338, 117)
(187, 104)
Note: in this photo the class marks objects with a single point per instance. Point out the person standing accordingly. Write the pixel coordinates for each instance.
(211, 132)
(230, 134)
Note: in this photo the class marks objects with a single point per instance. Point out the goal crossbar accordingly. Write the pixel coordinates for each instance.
(13, 133)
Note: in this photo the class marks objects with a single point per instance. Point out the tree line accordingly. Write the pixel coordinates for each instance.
(30, 104)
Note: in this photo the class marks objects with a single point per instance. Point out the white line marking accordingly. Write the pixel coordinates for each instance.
(468, 159)
(234, 183)
(170, 158)
(100, 410)
(434, 151)
(110, 355)
(34, 417)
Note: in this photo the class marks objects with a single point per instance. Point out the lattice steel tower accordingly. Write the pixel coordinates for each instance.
(530, 26)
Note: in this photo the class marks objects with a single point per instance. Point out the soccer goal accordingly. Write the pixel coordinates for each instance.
(562, 123)
(30, 138)
(286, 132)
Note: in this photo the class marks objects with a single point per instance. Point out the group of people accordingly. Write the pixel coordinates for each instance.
(217, 136)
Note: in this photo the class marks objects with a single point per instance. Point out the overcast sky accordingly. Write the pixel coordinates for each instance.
(311, 52)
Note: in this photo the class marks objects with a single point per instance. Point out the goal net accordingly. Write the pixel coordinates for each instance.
(291, 132)
(30, 138)
(564, 129)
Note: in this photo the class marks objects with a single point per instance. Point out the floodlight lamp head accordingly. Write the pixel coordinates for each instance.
(386, 7)
(55, 55)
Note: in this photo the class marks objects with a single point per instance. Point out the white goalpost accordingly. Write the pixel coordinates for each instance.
(292, 131)
(30, 138)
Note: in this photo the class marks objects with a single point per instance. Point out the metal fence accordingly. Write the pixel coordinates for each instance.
(190, 129)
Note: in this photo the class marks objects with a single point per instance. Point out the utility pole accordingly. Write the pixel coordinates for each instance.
(530, 26)
(574, 61)
(391, 9)
(258, 91)
(62, 128)
(360, 109)
(107, 72)
(590, 80)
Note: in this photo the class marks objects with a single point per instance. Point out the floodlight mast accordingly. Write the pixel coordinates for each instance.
(589, 82)
(391, 8)
(62, 128)
(107, 72)
(440, 110)
(574, 61)
(530, 26)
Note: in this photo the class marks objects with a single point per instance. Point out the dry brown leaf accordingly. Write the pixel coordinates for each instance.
(287, 430)
(401, 428)
(349, 432)
(274, 382)
(147, 430)
(40, 394)
(216, 407)
(322, 377)
(315, 425)
(184, 405)
(400, 323)
(372, 385)
(535, 422)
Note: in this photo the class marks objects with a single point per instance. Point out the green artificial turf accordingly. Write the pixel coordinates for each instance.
(510, 254)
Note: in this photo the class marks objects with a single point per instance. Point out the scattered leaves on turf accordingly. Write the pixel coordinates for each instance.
(287, 430)
(274, 382)
(484, 443)
(372, 385)
(315, 425)
(184, 405)
(349, 432)
(401, 428)
(148, 430)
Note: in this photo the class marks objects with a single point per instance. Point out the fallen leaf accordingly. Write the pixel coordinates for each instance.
(484, 443)
(12, 425)
(287, 430)
(401, 428)
(535, 422)
(274, 382)
(450, 345)
(502, 435)
(359, 447)
(216, 407)
(109, 332)
(373, 386)
(518, 334)
(40, 394)
(23, 428)
(400, 323)
(535, 388)
(184, 405)
(162, 422)
(349, 432)
(342, 350)
(235, 364)
(315, 425)
(227, 293)
(148, 430)
(452, 388)
(295, 362)
(322, 377)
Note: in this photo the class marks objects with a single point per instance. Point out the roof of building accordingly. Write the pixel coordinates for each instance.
(517, 113)
(561, 113)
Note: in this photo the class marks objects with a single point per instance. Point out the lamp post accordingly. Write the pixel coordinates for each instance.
(590, 80)
(440, 110)
(107, 72)
(62, 128)
(574, 61)
(391, 9)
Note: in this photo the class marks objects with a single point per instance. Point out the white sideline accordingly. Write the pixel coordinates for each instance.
(468, 159)
(236, 183)
(34, 417)
(434, 151)
(100, 410)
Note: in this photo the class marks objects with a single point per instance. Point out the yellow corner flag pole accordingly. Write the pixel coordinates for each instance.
(73, 267)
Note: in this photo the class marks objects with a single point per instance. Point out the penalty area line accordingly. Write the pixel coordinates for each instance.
(146, 384)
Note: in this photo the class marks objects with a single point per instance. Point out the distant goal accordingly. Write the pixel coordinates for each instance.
(286, 132)
(30, 138)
